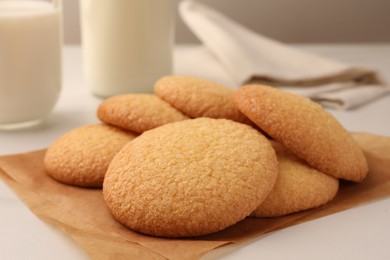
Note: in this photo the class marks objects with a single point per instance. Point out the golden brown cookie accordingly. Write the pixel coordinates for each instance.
(190, 178)
(81, 156)
(137, 112)
(305, 129)
(298, 187)
(199, 98)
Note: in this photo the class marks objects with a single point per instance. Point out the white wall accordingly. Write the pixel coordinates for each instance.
(284, 20)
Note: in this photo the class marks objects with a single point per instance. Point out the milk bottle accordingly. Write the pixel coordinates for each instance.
(127, 44)
(30, 57)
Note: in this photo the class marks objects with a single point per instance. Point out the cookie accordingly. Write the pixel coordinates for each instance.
(137, 112)
(190, 178)
(81, 156)
(298, 187)
(305, 129)
(199, 98)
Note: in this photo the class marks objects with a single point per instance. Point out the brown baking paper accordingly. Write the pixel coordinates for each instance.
(83, 215)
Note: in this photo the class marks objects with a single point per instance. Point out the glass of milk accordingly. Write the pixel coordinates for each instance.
(127, 44)
(30, 61)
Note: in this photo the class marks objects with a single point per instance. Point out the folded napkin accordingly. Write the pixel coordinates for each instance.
(249, 57)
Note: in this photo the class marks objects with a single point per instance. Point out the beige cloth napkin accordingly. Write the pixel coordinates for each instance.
(250, 57)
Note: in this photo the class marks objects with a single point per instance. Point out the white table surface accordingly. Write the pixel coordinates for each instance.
(358, 233)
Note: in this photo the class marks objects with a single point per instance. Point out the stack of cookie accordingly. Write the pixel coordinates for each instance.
(198, 157)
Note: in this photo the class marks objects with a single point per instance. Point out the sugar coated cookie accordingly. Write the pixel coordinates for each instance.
(137, 112)
(190, 178)
(305, 129)
(81, 156)
(199, 98)
(298, 187)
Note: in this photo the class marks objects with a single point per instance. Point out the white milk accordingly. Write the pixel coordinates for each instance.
(30, 60)
(127, 44)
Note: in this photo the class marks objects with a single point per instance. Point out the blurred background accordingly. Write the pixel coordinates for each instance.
(297, 21)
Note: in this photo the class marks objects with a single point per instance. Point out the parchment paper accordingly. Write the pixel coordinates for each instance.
(82, 213)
